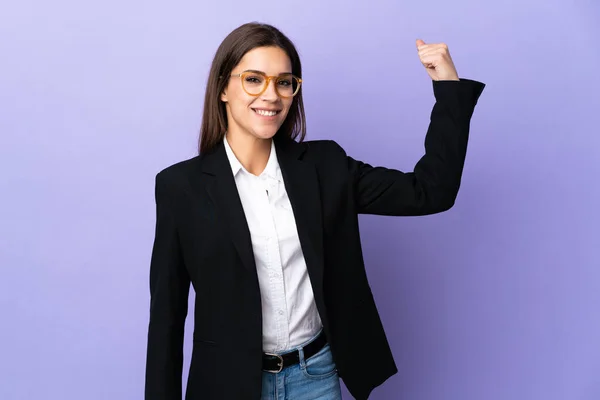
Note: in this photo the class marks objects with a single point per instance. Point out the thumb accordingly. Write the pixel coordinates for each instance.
(420, 42)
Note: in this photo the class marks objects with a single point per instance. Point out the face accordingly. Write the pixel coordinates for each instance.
(252, 115)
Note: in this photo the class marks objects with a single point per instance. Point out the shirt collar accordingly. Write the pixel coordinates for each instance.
(272, 168)
(233, 161)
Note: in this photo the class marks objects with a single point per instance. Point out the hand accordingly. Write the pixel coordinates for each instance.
(437, 61)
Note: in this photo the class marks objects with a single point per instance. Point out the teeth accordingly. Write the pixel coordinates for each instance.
(266, 113)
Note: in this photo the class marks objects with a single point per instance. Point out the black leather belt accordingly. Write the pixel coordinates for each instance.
(275, 363)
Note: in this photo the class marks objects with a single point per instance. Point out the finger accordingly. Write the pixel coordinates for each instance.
(420, 43)
(431, 48)
(433, 52)
(430, 60)
(444, 45)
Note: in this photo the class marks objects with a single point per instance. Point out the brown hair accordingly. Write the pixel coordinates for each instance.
(228, 55)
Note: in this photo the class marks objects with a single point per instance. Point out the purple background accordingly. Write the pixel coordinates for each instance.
(497, 299)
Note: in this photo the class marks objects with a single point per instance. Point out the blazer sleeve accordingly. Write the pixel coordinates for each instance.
(433, 185)
(169, 291)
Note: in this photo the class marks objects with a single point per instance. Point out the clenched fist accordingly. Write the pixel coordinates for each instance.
(437, 61)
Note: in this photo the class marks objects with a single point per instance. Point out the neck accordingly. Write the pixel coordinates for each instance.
(252, 152)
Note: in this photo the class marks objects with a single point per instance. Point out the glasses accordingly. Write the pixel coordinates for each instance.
(255, 83)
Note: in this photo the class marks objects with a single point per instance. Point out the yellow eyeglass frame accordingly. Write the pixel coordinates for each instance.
(268, 78)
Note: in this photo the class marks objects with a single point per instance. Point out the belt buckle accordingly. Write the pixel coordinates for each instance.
(279, 364)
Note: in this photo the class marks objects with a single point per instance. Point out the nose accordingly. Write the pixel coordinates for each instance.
(270, 94)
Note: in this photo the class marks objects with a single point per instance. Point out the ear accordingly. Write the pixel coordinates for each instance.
(224, 96)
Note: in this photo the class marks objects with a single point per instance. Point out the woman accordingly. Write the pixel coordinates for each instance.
(265, 227)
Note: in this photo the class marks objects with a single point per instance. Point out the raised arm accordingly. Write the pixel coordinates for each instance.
(433, 185)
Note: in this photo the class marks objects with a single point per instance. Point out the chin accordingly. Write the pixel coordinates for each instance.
(265, 133)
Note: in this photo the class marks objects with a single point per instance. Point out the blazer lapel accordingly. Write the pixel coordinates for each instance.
(224, 195)
(302, 186)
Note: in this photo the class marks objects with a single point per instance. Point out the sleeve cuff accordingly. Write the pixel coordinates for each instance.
(464, 89)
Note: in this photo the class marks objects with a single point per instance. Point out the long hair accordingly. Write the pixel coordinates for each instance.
(228, 55)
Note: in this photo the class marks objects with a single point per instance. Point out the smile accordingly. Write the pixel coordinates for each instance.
(266, 113)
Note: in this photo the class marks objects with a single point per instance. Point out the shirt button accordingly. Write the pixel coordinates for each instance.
(280, 312)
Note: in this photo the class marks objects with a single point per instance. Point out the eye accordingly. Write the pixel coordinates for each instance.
(254, 79)
(284, 82)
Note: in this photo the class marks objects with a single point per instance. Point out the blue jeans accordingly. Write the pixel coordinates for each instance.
(315, 378)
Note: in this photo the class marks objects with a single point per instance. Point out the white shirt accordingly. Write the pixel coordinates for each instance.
(290, 315)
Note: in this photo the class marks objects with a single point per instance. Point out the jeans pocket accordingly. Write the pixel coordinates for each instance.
(320, 365)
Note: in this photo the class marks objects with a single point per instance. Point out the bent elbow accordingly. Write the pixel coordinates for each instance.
(446, 201)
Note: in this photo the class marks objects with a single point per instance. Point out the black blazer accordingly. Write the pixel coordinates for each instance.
(202, 237)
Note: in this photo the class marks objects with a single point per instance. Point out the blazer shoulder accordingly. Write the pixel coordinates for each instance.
(324, 148)
(176, 173)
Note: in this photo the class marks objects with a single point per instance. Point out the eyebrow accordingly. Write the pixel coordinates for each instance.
(262, 72)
